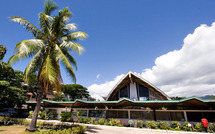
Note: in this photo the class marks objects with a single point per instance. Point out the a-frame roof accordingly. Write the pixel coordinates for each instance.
(133, 77)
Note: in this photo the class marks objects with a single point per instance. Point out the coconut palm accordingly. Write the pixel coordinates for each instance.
(53, 42)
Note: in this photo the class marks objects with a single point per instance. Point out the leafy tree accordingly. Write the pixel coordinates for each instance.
(59, 97)
(10, 84)
(75, 91)
(3, 51)
(51, 46)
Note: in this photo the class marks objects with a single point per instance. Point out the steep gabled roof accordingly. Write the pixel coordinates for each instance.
(130, 77)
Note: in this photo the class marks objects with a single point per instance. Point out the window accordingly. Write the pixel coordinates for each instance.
(97, 113)
(124, 92)
(143, 92)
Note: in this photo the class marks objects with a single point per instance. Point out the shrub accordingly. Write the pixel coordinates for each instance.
(51, 115)
(114, 122)
(42, 115)
(96, 122)
(176, 125)
(139, 123)
(30, 114)
(102, 121)
(84, 120)
(123, 123)
(6, 120)
(151, 124)
(211, 127)
(164, 125)
(199, 127)
(185, 126)
(65, 116)
(79, 129)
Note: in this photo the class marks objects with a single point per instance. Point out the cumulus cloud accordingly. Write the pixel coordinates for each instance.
(186, 72)
(105, 88)
(190, 70)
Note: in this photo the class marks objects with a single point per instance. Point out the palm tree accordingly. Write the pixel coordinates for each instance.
(51, 46)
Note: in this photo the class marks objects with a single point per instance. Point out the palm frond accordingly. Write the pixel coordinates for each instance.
(26, 48)
(66, 63)
(73, 46)
(45, 22)
(69, 56)
(49, 7)
(76, 35)
(29, 26)
(60, 21)
(33, 65)
(49, 72)
(70, 27)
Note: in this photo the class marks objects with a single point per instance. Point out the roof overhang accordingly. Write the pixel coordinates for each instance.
(187, 102)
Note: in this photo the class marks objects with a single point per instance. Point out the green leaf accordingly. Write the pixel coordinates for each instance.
(29, 26)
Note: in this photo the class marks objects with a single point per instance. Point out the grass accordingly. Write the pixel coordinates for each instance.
(15, 129)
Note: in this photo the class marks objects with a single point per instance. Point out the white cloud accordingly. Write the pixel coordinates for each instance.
(105, 88)
(97, 76)
(186, 72)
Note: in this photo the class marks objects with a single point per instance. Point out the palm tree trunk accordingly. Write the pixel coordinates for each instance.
(32, 125)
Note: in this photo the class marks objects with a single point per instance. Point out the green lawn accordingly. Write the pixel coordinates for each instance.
(15, 129)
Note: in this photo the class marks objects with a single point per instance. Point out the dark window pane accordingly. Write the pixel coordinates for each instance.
(112, 114)
(177, 116)
(163, 115)
(123, 92)
(83, 112)
(97, 113)
(148, 115)
(143, 92)
(136, 114)
(123, 114)
(210, 116)
(194, 116)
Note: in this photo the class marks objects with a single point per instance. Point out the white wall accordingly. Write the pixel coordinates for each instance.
(133, 91)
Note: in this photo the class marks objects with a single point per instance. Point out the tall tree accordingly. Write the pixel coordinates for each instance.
(51, 46)
(10, 84)
(75, 91)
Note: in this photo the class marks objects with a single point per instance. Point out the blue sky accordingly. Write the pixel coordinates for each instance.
(123, 34)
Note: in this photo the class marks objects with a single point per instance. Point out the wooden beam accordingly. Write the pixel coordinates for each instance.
(185, 116)
(130, 78)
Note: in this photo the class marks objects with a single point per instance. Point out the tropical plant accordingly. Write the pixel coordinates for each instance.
(199, 127)
(176, 125)
(52, 44)
(101, 121)
(139, 123)
(66, 116)
(164, 125)
(151, 124)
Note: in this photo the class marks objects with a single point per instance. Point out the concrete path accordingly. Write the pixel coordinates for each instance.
(99, 129)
